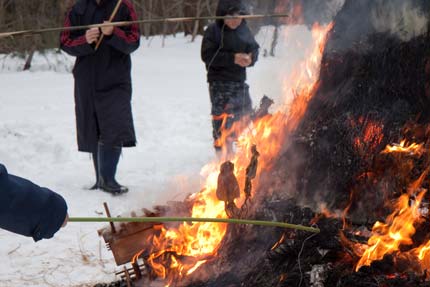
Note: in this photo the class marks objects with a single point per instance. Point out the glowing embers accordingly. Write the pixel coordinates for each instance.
(370, 135)
(397, 235)
(411, 149)
(397, 231)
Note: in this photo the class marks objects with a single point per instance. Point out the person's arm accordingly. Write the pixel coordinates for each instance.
(125, 39)
(254, 50)
(75, 43)
(28, 209)
(211, 53)
(254, 56)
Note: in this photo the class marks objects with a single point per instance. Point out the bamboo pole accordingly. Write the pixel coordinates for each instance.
(190, 219)
(112, 16)
(128, 23)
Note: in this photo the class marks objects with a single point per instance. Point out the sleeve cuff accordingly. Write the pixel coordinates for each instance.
(50, 224)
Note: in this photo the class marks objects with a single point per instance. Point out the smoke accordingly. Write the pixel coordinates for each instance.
(358, 21)
(401, 18)
(322, 12)
(334, 6)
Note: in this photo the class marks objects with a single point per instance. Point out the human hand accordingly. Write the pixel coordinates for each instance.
(92, 35)
(238, 59)
(243, 60)
(248, 59)
(108, 30)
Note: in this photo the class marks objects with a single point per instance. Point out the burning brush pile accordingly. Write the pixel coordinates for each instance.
(351, 156)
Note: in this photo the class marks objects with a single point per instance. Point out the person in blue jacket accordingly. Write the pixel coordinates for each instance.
(28, 209)
(228, 49)
(103, 86)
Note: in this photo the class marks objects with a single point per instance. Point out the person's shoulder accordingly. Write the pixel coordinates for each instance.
(127, 3)
(3, 169)
(244, 27)
(3, 174)
(79, 7)
(210, 30)
(211, 27)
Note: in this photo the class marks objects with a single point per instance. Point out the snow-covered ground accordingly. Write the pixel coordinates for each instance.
(171, 110)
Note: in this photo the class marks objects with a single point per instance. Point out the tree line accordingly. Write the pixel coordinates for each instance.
(18, 15)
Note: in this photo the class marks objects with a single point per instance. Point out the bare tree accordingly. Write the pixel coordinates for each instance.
(199, 10)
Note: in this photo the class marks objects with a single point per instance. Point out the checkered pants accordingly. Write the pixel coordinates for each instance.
(230, 100)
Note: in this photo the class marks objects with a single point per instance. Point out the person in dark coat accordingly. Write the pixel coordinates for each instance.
(28, 209)
(103, 84)
(228, 49)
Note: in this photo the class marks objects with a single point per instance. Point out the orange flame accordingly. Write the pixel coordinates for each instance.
(412, 149)
(226, 133)
(395, 235)
(178, 252)
(388, 237)
(306, 77)
(278, 243)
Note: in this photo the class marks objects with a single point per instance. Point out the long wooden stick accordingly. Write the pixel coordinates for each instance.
(190, 219)
(128, 23)
(112, 16)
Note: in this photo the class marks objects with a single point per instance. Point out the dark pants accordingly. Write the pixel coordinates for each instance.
(230, 103)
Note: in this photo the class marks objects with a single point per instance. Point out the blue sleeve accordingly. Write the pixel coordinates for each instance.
(28, 209)
(255, 53)
(253, 48)
(211, 53)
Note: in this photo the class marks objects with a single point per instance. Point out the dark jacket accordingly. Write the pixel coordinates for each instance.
(28, 209)
(103, 77)
(220, 44)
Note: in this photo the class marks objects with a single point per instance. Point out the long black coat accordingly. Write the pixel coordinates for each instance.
(28, 209)
(220, 44)
(103, 77)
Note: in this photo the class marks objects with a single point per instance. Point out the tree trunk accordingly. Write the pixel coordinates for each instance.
(148, 13)
(274, 41)
(27, 65)
(197, 23)
(165, 14)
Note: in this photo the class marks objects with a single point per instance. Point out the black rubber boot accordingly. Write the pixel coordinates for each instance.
(108, 158)
(96, 169)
